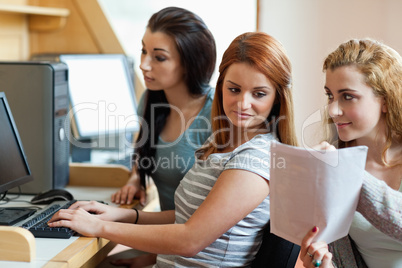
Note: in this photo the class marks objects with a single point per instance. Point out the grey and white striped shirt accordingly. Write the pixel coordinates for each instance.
(238, 246)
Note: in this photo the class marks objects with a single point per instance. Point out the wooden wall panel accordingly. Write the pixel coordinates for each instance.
(86, 31)
(14, 43)
(74, 37)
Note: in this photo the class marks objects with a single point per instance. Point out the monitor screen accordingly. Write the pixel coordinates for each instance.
(14, 169)
(102, 95)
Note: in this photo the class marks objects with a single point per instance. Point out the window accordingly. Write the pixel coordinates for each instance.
(225, 18)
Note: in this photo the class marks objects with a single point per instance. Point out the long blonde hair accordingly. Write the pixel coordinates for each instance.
(382, 69)
(268, 56)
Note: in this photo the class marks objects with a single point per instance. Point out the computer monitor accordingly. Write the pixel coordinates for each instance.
(14, 169)
(102, 97)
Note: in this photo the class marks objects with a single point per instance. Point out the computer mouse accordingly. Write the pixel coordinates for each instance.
(49, 196)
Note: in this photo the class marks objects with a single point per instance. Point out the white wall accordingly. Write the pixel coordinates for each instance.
(226, 19)
(310, 29)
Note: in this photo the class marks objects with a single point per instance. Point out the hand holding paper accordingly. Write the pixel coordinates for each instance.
(314, 188)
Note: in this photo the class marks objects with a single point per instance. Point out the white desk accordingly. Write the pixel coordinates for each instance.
(75, 251)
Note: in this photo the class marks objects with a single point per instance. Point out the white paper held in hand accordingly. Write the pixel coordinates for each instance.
(314, 188)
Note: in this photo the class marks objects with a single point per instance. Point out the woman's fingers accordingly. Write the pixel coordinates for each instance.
(319, 249)
(327, 260)
(307, 241)
(315, 254)
(125, 195)
(65, 214)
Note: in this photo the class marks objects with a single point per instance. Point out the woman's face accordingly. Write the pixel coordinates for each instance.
(355, 110)
(160, 62)
(248, 96)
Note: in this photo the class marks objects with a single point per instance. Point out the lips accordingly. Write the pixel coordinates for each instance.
(242, 115)
(342, 125)
(148, 79)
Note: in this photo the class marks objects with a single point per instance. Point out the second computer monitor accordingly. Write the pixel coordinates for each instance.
(102, 97)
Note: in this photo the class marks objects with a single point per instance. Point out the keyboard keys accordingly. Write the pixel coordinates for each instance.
(39, 228)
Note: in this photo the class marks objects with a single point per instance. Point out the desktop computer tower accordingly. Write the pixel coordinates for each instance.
(37, 93)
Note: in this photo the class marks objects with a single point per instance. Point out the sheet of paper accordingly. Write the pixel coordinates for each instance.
(314, 188)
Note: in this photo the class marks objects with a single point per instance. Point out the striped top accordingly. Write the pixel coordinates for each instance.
(239, 245)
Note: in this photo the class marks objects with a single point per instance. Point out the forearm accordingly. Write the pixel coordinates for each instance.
(134, 177)
(381, 206)
(160, 239)
(144, 217)
(218, 213)
(163, 217)
(124, 215)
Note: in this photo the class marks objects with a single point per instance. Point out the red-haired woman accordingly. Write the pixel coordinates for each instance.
(222, 203)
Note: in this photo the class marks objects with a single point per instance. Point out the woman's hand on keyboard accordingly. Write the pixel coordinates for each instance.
(92, 213)
(106, 212)
(78, 220)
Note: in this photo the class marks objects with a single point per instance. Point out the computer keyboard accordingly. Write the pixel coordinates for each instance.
(37, 225)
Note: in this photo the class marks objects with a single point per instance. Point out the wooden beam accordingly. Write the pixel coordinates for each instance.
(45, 23)
(35, 10)
(40, 18)
(98, 25)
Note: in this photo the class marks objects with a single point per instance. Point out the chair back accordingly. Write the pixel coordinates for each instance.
(275, 252)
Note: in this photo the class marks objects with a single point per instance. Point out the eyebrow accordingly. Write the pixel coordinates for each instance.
(341, 90)
(233, 83)
(261, 87)
(161, 49)
(155, 49)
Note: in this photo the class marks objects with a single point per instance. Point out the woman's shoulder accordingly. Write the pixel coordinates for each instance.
(259, 144)
(209, 100)
(260, 140)
(211, 93)
(253, 156)
(206, 109)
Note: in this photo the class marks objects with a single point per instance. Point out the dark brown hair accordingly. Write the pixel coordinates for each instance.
(197, 49)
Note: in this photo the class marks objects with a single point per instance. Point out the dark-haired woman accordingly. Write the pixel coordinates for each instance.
(177, 62)
(178, 59)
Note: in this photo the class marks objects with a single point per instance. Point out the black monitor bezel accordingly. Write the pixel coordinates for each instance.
(25, 179)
